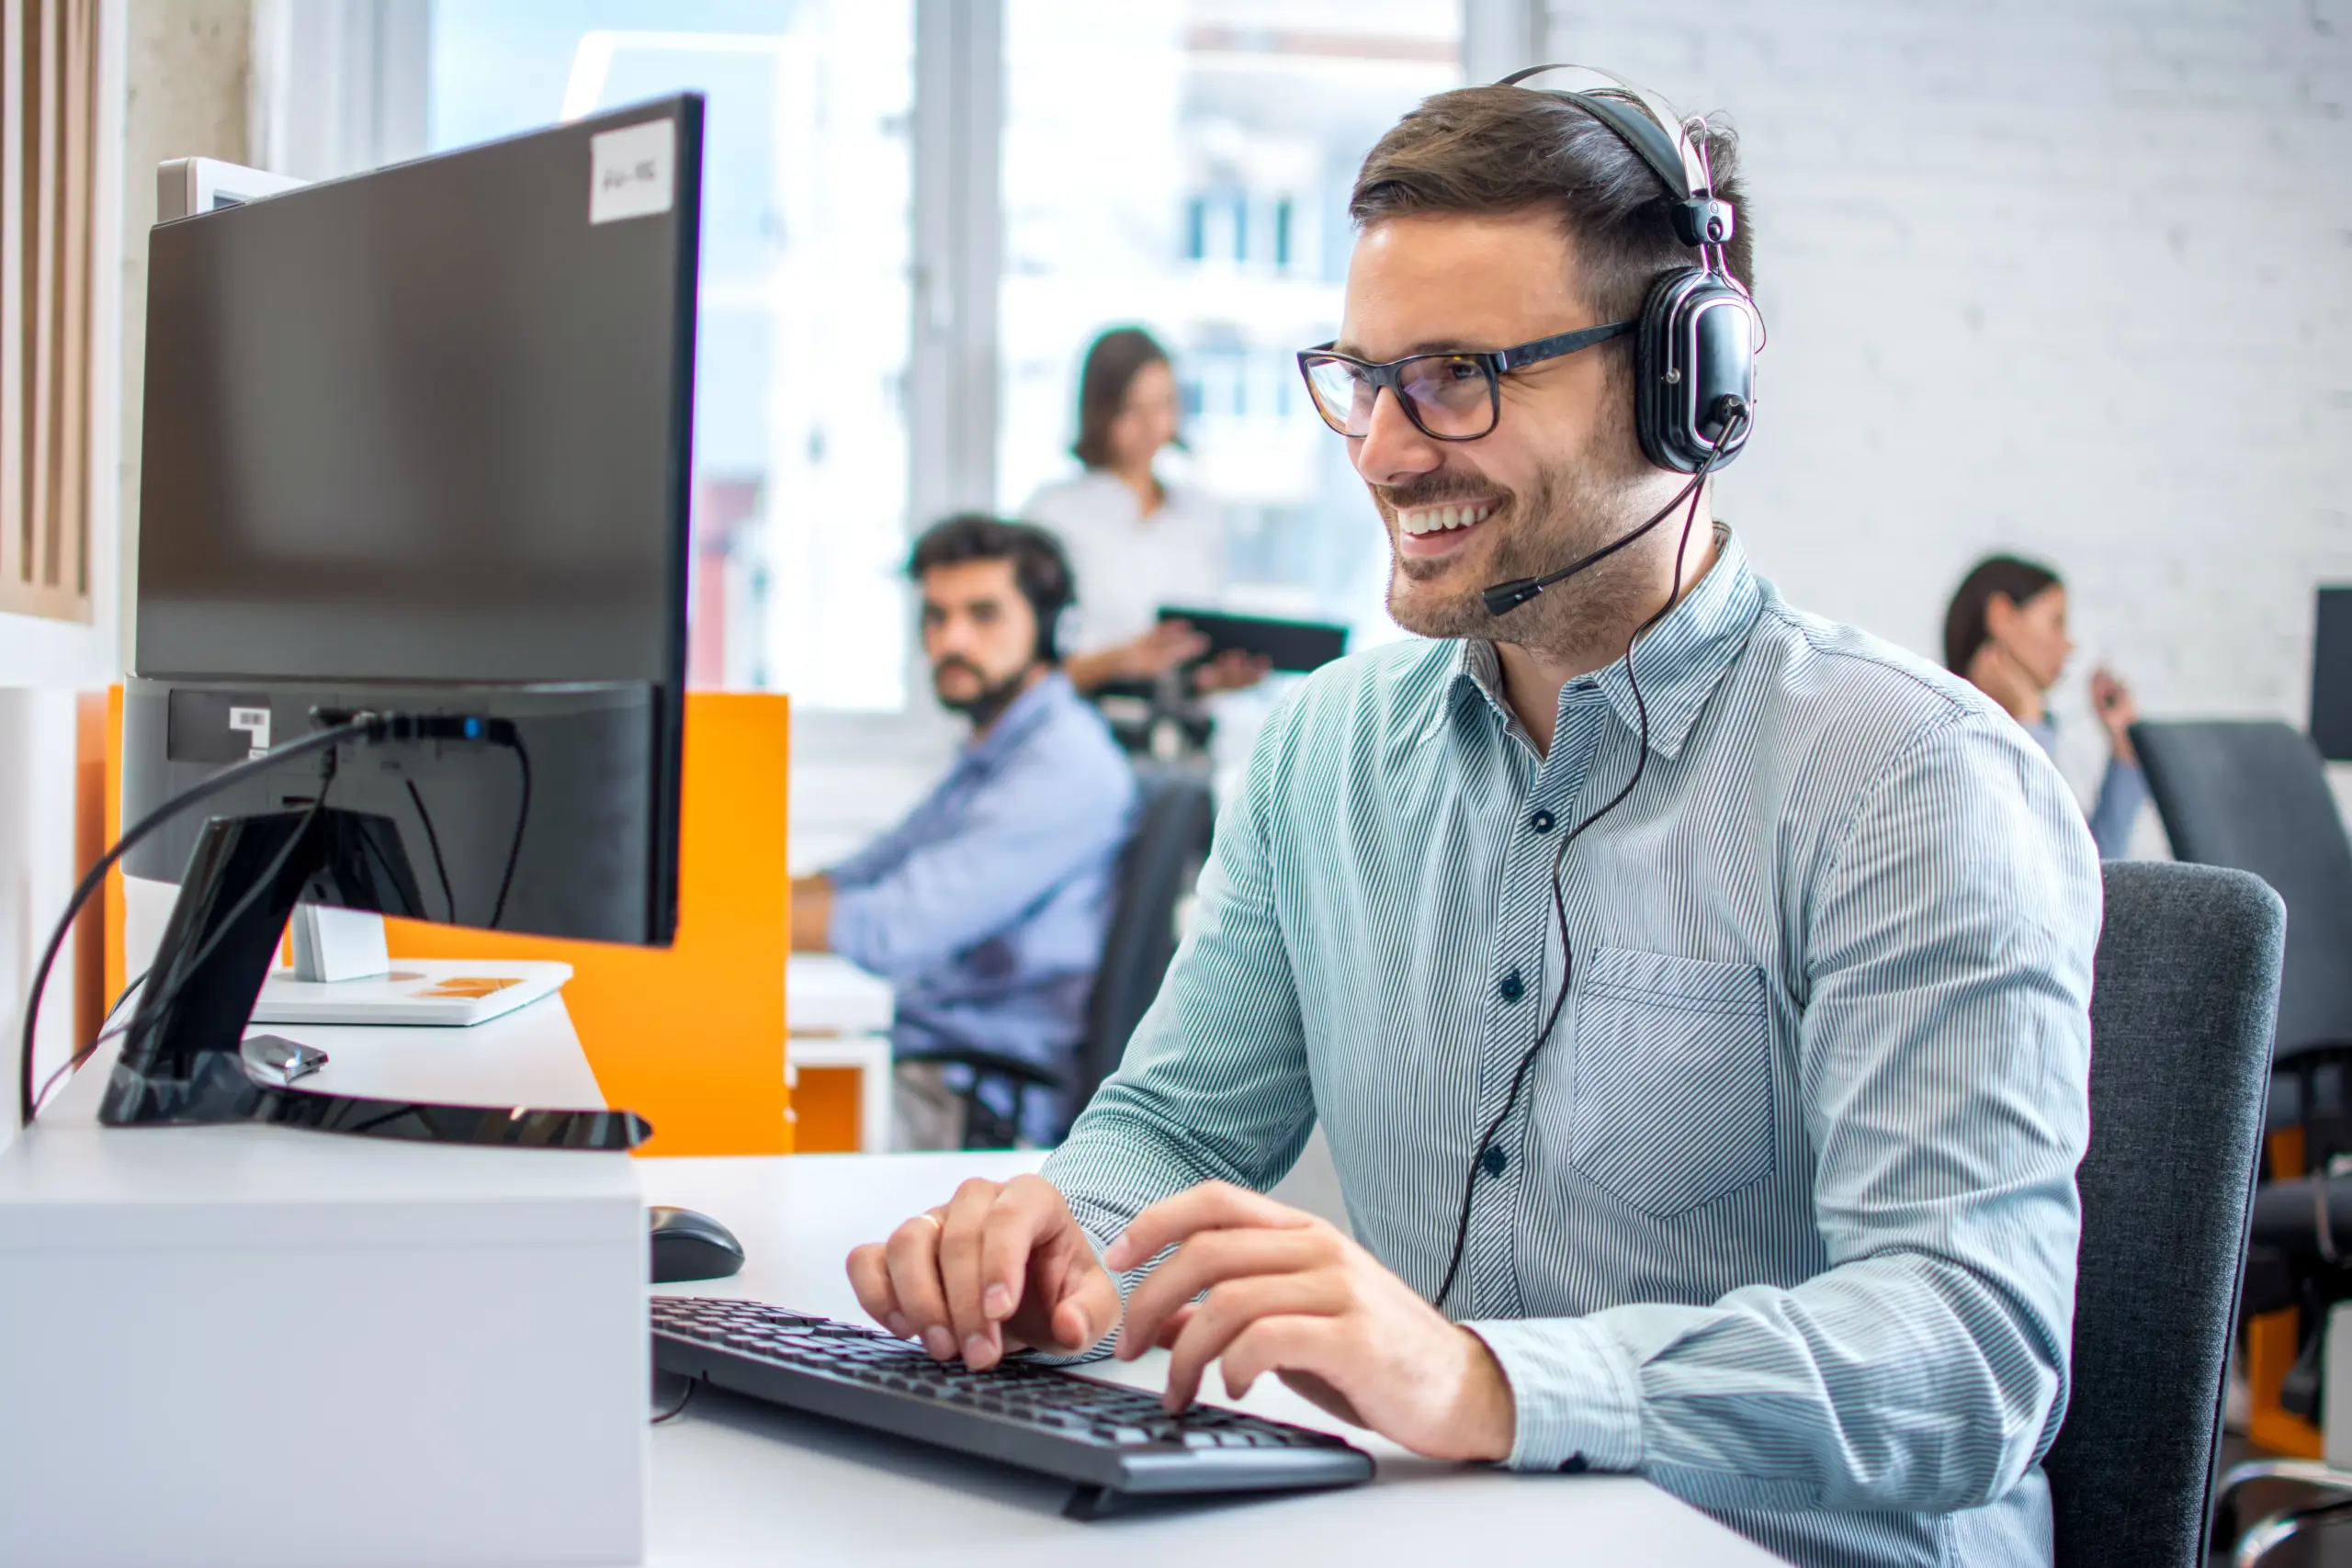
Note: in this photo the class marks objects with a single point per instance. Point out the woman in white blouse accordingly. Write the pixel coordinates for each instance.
(1136, 542)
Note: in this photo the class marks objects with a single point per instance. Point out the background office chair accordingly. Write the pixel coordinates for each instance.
(2184, 999)
(2253, 794)
(1175, 822)
(1159, 866)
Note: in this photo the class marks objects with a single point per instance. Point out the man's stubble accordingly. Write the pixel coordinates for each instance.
(1576, 506)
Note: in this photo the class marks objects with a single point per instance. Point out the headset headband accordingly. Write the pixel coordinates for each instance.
(1657, 135)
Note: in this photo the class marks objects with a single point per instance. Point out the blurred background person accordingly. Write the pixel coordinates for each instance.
(2006, 633)
(1135, 541)
(987, 906)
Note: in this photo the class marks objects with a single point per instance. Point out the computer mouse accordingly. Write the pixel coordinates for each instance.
(688, 1245)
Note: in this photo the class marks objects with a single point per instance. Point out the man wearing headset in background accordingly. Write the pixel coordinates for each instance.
(986, 908)
(1703, 1028)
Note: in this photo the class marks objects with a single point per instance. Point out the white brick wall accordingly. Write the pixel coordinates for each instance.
(2062, 276)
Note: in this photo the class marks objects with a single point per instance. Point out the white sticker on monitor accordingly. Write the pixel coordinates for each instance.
(632, 171)
(254, 722)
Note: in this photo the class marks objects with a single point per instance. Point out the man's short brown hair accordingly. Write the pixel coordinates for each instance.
(1487, 150)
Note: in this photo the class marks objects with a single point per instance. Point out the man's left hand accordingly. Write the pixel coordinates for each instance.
(1289, 1294)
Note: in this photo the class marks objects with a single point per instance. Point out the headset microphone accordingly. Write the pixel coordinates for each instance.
(1729, 413)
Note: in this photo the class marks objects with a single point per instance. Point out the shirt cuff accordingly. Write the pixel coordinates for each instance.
(847, 928)
(1094, 1225)
(1576, 1401)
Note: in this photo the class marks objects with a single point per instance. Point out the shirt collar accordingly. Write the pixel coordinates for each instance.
(1680, 662)
(1023, 715)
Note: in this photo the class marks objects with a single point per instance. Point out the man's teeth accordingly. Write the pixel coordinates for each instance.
(1432, 519)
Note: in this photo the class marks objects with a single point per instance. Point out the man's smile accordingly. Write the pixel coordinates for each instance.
(1442, 528)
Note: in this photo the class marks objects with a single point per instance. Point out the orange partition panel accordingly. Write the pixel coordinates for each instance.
(825, 1111)
(690, 1036)
(90, 841)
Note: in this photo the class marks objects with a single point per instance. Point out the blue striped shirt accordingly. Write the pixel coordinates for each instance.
(1785, 1219)
(986, 908)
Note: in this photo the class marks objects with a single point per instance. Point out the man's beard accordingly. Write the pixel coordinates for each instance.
(1576, 507)
(983, 706)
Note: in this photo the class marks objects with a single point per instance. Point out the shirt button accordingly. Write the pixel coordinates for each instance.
(1494, 1162)
(1511, 990)
(1541, 821)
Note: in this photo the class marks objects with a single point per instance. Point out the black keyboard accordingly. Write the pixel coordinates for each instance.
(1112, 1442)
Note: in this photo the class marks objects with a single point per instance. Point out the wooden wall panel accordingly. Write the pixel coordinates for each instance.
(49, 102)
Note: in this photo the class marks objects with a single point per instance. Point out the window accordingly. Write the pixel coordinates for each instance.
(1185, 165)
(1179, 163)
(800, 436)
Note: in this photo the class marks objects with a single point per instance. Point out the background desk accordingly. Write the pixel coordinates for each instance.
(740, 1483)
(837, 1019)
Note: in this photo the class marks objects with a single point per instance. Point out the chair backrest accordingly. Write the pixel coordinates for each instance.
(1158, 866)
(2184, 997)
(2253, 794)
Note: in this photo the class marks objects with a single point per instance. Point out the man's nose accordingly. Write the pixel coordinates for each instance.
(1393, 450)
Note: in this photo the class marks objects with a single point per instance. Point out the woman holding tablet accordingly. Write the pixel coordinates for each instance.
(1135, 541)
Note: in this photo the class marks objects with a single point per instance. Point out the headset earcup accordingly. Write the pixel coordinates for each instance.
(1696, 343)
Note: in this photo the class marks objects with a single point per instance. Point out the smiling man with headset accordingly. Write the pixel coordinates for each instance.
(1694, 993)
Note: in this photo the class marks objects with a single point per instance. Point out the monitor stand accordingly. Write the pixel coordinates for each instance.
(185, 1058)
(342, 973)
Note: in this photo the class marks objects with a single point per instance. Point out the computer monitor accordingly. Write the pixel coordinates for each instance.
(418, 441)
(2332, 676)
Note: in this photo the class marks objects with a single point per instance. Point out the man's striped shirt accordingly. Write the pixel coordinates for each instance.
(1785, 1218)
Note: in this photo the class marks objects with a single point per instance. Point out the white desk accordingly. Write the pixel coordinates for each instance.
(739, 1482)
(736, 1481)
(826, 993)
(313, 1350)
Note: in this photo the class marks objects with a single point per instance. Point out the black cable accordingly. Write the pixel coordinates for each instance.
(432, 838)
(227, 778)
(1505, 597)
(104, 1035)
(128, 987)
(514, 740)
(182, 972)
(678, 1409)
(1560, 859)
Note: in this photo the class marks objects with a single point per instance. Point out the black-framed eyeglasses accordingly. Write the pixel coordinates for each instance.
(1449, 397)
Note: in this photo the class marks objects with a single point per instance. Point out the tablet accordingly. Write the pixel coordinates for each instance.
(1287, 645)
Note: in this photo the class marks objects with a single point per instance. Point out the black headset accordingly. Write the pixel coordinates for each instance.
(1698, 330)
(1051, 588)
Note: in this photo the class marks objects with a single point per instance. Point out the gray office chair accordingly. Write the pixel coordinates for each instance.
(1174, 823)
(1161, 861)
(2183, 999)
(2253, 794)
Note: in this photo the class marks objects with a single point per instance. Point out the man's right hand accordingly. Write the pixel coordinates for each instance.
(1003, 1266)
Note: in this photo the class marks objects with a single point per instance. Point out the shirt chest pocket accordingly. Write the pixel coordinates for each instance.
(1673, 1102)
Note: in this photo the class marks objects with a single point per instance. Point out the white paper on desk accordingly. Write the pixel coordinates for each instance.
(632, 171)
